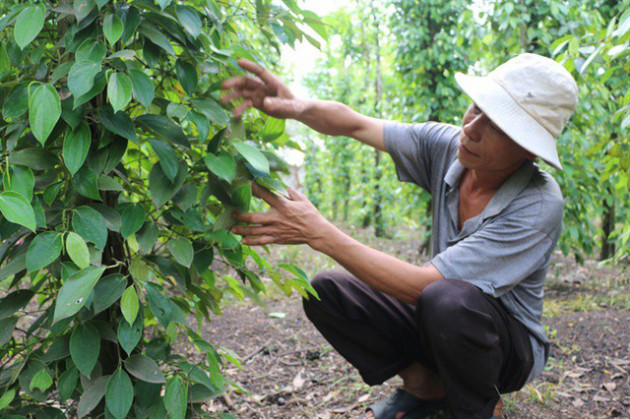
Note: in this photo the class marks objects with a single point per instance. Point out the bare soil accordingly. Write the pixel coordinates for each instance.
(290, 371)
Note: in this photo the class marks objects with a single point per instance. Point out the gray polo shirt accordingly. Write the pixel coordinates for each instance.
(505, 250)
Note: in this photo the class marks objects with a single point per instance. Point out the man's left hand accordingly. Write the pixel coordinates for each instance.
(289, 221)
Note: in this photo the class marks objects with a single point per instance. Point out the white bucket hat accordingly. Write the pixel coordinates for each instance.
(529, 97)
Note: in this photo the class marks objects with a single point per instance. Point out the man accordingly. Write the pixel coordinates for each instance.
(466, 327)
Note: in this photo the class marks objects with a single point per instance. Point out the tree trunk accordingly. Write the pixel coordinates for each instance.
(379, 224)
(608, 226)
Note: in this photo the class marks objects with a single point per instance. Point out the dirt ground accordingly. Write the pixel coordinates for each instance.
(290, 371)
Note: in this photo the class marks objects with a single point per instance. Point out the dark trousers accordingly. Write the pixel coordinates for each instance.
(464, 335)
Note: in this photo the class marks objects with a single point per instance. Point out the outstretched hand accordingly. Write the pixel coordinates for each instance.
(288, 221)
(261, 90)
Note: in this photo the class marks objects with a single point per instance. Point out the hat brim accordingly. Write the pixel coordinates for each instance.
(503, 110)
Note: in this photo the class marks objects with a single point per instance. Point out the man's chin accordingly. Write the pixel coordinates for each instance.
(463, 160)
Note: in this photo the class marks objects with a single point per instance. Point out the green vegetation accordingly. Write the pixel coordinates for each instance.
(120, 172)
(404, 71)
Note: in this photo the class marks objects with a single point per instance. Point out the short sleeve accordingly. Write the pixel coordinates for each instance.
(497, 257)
(421, 152)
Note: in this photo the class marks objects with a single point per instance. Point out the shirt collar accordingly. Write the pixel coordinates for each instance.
(512, 186)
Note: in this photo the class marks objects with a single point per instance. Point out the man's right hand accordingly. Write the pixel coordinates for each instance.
(261, 90)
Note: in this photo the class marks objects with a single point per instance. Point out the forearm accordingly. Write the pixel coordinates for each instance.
(383, 272)
(337, 119)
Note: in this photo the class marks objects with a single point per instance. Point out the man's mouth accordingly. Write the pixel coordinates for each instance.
(463, 148)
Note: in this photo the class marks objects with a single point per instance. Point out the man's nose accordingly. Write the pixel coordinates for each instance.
(473, 128)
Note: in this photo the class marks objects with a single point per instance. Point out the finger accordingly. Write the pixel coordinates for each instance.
(258, 240)
(253, 217)
(253, 230)
(264, 74)
(243, 82)
(295, 195)
(238, 111)
(231, 96)
(267, 196)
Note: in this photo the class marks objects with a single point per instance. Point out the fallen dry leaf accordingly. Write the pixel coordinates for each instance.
(610, 386)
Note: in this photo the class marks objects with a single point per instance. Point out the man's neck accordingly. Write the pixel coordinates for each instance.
(484, 181)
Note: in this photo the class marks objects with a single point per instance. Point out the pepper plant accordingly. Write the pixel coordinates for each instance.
(120, 171)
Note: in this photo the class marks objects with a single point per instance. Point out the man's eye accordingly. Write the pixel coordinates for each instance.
(476, 108)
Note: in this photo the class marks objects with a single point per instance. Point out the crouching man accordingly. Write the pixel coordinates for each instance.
(466, 327)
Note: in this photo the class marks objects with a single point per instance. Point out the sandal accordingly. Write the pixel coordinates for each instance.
(402, 401)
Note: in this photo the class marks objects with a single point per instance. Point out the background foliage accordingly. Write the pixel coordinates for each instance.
(423, 44)
(120, 172)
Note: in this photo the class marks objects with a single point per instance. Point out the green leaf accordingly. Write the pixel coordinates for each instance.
(77, 250)
(41, 380)
(35, 158)
(119, 123)
(119, 90)
(176, 398)
(51, 191)
(131, 19)
(43, 250)
(182, 251)
(161, 188)
(92, 395)
(156, 37)
(144, 368)
(14, 302)
(75, 291)
(129, 304)
(90, 224)
(6, 329)
(81, 77)
(97, 89)
(273, 128)
(119, 394)
(163, 3)
(112, 28)
(163, 127)
(143, 88)
(177, 111)
(85, 182)
(168, 159)
(91, 50)
(17, 209)
(76, 146)
(223, 165)
(61, 71)
(67, 383)
(132, 219)
(253, 156)
(16, 104)
(211, 110)
(107, 183)
(28, 24)
(44, 110)
(5, 63)
(187, 76)
(85, 345)
(147, 236)
(202, 124)
(242, 196)
(82, 8)
(19, 179)
(71, 115)
(130, 335)
(108, 290)
(7, 398)
(190, 20)
(274, 185)
(300, 277)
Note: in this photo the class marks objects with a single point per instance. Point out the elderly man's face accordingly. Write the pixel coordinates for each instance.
(483, 146)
